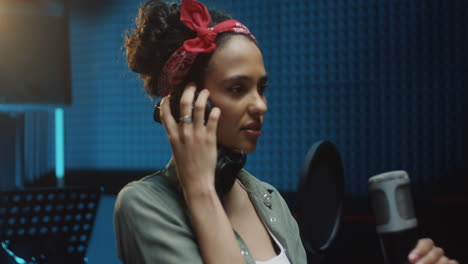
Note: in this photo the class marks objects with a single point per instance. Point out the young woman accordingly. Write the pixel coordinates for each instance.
(193, 211)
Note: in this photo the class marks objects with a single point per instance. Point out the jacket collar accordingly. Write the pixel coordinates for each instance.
(252, 185)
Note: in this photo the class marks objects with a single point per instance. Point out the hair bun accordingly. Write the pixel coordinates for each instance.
(154, 20)
(157, 35)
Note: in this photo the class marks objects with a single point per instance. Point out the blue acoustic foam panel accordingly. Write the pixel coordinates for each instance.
(384, 80)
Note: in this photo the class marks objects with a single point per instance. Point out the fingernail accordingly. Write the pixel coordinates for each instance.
(413, 256)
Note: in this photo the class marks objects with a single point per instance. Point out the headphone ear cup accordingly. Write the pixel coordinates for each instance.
(208, 108)
(228, 166)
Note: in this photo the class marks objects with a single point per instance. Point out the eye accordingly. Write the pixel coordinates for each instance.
(262, 88)
(237, 89)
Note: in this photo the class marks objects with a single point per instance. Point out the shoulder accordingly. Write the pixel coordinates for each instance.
(251, 181)
(264, 193)
(152, 191)
(151, 223)
(256, 186)
(150, 203)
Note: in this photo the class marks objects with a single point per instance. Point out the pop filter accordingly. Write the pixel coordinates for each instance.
(320, 197)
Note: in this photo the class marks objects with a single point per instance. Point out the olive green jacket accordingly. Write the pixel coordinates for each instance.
(152, 223)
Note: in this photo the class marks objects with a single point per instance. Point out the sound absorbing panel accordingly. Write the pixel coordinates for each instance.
(34, 52)
(384, 80)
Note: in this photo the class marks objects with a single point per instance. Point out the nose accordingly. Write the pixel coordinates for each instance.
(258, 104)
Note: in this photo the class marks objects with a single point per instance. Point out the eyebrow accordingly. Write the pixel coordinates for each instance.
(234, 78)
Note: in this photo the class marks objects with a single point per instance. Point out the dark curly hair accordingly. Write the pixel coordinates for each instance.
(158, 34)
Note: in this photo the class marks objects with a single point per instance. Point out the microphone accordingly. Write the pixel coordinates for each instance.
(396, 222)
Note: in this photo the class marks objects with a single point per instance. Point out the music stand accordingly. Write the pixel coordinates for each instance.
(47, 225)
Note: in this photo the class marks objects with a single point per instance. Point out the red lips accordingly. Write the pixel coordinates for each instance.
(253, 129)
(253, 126)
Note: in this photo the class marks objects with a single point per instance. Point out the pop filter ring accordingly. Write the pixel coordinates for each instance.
(322, 165)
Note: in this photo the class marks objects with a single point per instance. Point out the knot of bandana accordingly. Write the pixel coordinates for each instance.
(196, 17)
(206, 34)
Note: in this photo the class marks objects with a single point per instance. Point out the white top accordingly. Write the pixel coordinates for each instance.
(281, 258)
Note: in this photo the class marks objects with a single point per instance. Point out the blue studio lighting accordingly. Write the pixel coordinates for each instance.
(59, 144)
(11, 253)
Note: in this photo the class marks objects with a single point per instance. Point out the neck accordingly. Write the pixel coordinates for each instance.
(235, 199)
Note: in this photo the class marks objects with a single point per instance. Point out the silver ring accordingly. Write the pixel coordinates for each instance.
(186, 119)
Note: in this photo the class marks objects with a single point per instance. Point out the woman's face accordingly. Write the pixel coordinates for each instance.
(236, 79)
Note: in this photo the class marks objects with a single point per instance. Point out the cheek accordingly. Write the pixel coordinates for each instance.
(225, 132)
(227, 120)
(231, 113)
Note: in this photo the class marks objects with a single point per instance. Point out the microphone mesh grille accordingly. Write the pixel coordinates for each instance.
(404, 202)
(380, 204)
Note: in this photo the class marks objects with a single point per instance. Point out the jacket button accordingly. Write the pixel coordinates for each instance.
(267, 200)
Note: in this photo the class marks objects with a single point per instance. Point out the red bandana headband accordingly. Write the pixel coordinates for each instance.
(195, 16)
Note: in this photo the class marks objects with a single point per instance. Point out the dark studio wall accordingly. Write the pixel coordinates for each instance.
(384, 80)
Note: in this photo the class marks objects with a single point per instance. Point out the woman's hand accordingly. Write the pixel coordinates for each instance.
(193, 143)
(426, 252)
(194, 148)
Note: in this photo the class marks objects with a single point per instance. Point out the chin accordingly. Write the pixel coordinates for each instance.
(250, 150)
(245, 148)
(239, 144)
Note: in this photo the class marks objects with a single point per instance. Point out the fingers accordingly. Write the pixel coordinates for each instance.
(445, 260)
(199, 115)
(213, 119)
(422, 248)
(167, 120)
(200, 105)
(186, 101)
(185, 131)
(433, 256)
(426, 252)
